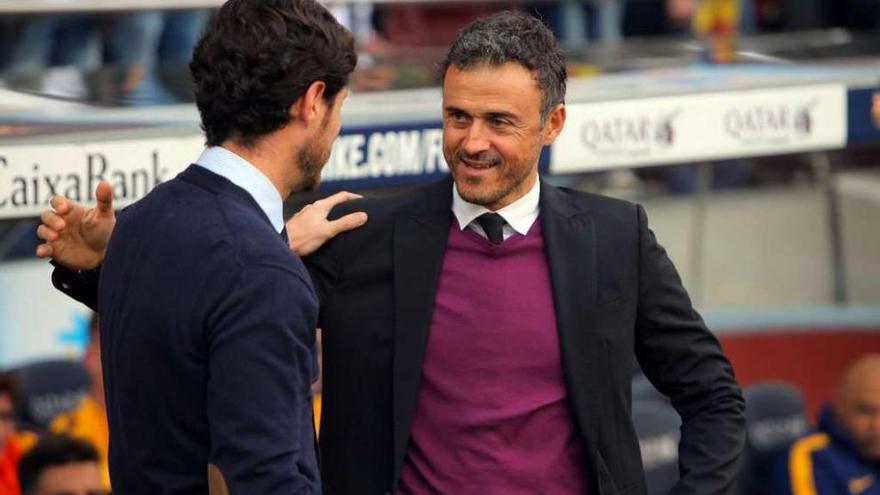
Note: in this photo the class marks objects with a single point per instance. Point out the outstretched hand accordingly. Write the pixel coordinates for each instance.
(75, 236)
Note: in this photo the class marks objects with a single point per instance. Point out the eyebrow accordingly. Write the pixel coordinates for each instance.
(495, 114)
(502, 115)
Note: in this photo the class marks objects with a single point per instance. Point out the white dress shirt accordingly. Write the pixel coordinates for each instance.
(245, 175)
(519, 215)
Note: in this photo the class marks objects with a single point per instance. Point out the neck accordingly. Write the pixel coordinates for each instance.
(269, 158)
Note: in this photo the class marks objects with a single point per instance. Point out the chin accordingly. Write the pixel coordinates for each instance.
(477, 196)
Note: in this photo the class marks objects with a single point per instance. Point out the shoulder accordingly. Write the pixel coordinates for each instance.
(435, 194)
(201, 224)
(281, 284)
(602, 208)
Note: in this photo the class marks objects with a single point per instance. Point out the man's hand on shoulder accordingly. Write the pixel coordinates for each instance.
(309, 229)
(74, 236)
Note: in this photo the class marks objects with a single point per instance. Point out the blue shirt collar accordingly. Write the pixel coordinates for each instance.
(245, 175)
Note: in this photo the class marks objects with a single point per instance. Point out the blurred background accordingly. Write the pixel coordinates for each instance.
(749, 129)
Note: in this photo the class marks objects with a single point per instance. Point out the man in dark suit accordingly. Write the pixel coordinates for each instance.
(479, 332)
(208, 319)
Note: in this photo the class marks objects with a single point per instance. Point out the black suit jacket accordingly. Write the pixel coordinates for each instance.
(616, 294)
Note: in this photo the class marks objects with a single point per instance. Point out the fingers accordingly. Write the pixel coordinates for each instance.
(44, 251)
(60, 204)
(348, 222)
(104, 197)
(52, 220)
(341, 197)
(47, 234)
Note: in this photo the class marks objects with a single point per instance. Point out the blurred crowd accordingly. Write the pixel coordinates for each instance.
(128, 57)
(141, 57)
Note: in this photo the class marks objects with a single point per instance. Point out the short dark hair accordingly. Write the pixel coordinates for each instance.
(52, 450)
(510, 36)
(10, 387)
(257, 57)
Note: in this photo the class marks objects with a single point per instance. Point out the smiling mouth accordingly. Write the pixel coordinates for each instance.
(477, 165)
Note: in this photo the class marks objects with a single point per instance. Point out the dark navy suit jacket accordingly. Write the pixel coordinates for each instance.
(207, 330)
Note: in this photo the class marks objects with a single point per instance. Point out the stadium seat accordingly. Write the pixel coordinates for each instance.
(775, 416)
(657, 426)
(49, 388)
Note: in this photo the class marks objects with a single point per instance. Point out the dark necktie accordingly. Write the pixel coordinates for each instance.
(492, 224)
(284, 235)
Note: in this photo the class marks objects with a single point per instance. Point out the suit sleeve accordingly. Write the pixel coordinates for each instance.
(683, 359)
(324, 268)
(79, 286)
(258, 393)
(325, 264)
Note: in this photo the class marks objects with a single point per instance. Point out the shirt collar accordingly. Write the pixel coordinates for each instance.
(520, 214)
(245, 175)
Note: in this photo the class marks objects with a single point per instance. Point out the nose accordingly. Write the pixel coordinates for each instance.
(476, 140)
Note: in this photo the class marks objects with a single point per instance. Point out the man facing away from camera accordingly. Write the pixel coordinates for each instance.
(479, 331)
(207, 317)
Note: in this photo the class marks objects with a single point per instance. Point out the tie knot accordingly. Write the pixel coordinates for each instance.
(492, 224)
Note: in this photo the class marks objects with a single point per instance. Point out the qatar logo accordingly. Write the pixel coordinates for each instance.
(770, 124)
(629, 136)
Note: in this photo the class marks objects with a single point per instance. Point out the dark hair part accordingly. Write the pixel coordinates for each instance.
(257, 57)
(52, 450)
(9, 386)
(513, 37)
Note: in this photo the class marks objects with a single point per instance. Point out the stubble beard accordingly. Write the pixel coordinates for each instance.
(476, 190)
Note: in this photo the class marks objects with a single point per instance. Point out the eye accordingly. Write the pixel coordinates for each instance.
(456, 116)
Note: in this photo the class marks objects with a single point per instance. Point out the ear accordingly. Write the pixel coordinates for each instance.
(553, 125)
(311, 105)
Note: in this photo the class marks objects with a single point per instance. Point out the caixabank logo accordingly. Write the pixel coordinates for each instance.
(629, 136)
(773, 124)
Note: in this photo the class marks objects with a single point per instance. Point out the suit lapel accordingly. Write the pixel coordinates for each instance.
(570, 240)
(420, 234)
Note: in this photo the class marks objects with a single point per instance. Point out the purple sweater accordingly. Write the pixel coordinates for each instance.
(492, 416)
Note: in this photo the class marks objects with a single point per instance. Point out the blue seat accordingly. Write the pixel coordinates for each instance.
(657, 425)
(49, 388)
(775, 417)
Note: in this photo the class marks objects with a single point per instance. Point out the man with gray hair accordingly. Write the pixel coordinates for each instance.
(479, 331)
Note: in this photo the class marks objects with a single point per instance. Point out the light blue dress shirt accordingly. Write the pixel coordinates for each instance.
(245, 175)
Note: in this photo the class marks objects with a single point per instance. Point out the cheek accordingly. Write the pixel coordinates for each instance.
(513, 150)
(451, 138)
(860, 424)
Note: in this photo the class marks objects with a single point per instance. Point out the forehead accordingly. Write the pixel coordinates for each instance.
(76, 477)
(867, 385)
(486, 88)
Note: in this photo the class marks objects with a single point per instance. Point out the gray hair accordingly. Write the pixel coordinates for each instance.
(510, 36)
